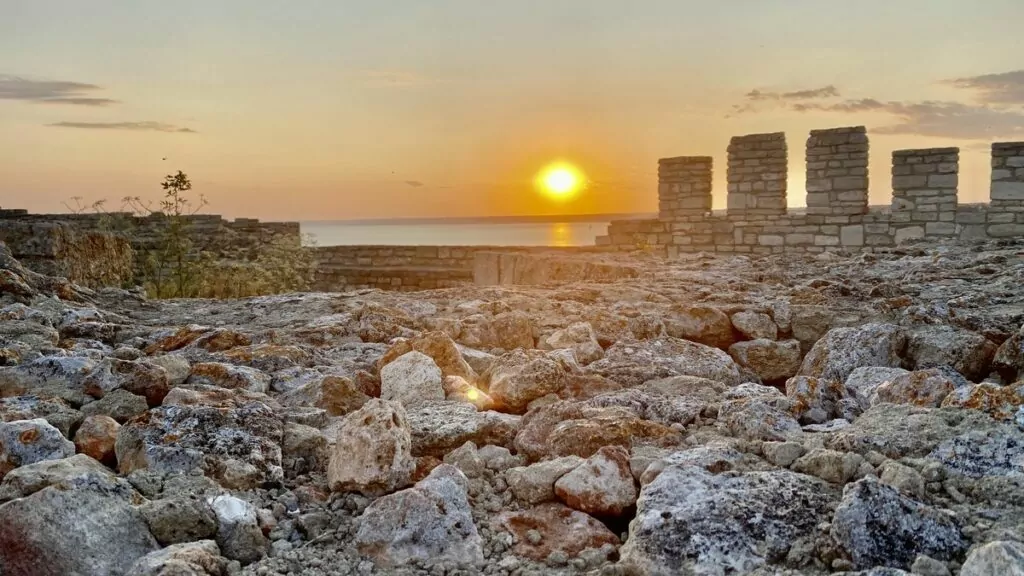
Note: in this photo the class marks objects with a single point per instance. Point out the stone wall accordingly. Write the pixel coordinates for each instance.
(924, 202)
(89, 259)
(684, 186)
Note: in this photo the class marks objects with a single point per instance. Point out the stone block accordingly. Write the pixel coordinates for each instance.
(1006, 230)
(973, 232)
(943, 181)
(799, 239)
(909, 233)
(770, 240)
(819, 185)
(1000, 217)
(940, 228)
(852, 235)
(1015, 161)
(908, 182)
(850, 183)
(826, 240)
(1008, 191)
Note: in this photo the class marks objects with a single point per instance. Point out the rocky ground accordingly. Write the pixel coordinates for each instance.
(721, 415)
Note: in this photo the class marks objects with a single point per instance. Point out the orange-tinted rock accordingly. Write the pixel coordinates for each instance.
(441, 349)
(138, 377)
(424, 465)
(703, 324)
(268, 356)
(335, 394)
(229, 376)
(537, 425)
(562, 529)
(222, 339)
(180, 339)
(606, 427)
(601, 486)
(457, 389)
(1000, 402)
(96, 438)
(921, 388)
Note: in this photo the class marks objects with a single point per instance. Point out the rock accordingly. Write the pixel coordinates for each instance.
(829, 465)
(757, 419)
(715, 458)
(536, 426)
(535, 484)
(439, 347)
(922, 388)
(925, 566)
(457, 389)
(49, 376)
(877, 526)
(602, 486)
(842, 350)
(29, 441)
(430, 522)
(690, 520)
(756, 326)
(179, 519)
(54, 410)
(999, 402)
(96, 438)
(439, 427)
(632, 363)
(903, 478)
(702, 324)
(140, 378)
(479, 361)
(782, 454)
(79, 531)
(862, 382)
(177, 367)
(229, 376)
(605, 427)
(1008, 361)
(578, 337)
(121, 405)
(305, 444)
(411, 379)
(373, 452)
(901, 431)
(72, 473)
(189, 559)
(969, 353)
(815, 401)
(651, 402)
(335, 394)
(466, 458)
(1004, 558)
(772, 361)
(505, 331)
(240, 447)
(238, 531)
(519, 377)
(980, 453)
(560, 530)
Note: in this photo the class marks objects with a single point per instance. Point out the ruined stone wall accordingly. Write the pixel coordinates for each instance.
(90, 259)
(684, 186)
(924, 205)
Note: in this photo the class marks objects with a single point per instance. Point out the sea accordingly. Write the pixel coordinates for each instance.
(399, 233)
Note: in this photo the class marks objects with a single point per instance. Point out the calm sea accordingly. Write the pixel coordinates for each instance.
(456, 234)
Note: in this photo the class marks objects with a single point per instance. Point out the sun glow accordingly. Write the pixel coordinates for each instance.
(560, 181)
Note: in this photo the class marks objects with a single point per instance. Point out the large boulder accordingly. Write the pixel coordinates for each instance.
(49, 376)
(771, 360)
(969, 353)
(240, 447)
(815, 401)
(578, 337)
(229, 376)
(96, 438)
(411, 379)
(29, 441)
(921, 387)
(140, 378)
(78, 471)
(760, 419)
(430, 522)
(1005, 558)
(560, 529)
(842, 350)
(337, 395)
(980, 453)
(439, 427)
(703, 324)
(1008, 361)
(756, 325)
(602, 486)
(689, 520)
(600, 427)
(862, 382)
(439, 346)
(902, 430)
(58, 531)
(373, 451)
(878, 526)
(182, 518)
(999, 402)
(521, 376)
(632, 362)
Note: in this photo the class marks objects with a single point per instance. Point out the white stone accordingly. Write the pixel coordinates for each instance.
(411, 379)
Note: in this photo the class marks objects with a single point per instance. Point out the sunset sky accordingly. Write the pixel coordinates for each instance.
(337, 109)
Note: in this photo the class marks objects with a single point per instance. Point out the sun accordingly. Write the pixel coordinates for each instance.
(560, 181)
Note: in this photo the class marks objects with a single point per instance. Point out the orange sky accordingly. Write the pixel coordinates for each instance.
(449, 108)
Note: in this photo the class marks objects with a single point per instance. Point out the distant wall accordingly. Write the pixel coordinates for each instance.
(86, 258)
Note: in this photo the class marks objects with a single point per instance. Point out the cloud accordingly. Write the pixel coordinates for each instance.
(1002, 88)
(414, 183)
(941, 119)
(756, 99)
(50, 91)
(393, 78)
(133, 126)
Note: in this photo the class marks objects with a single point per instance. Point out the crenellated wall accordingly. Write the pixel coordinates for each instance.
(837, 217)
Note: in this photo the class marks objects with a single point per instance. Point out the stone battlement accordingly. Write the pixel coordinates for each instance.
(837, 217)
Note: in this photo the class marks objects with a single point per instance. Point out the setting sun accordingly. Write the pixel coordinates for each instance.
(560, 181)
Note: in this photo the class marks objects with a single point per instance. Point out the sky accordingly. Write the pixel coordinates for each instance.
(335, 109)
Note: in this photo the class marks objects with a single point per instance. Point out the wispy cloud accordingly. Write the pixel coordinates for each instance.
(50, 91)
(393, 78)
(1002, 88)
(757, 100)
(414, 183)
(132, 126)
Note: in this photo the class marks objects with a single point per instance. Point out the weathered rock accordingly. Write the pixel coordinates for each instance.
(842, 350)
(999, 402)
(439, 347)
(140, 378)
(757, 419)
(578, 337)
(632, 363)
(903, 478)
(782, 454)
(335, 394)
(54, 532)
(537, 425)
(978, 453)
(561, 529)
(505, 331)
(411, 379)
(829, 465)
(1005, 558)
(439, 427)
(238, 530)
(877, 526)
(815, 401)
(921, 388)
(373, 452)
(457, 389)
(381, 324)
(78, 471)
(969, 353)
(266, 357)
(862, 382)
(605, 427)
(96, 438)
(430, 522)
(466, 458)
(1008, 361)
(240, 447)
(29, 441)
(689, 520)
(601, 486)
(479, 361)
(703, 324)
(756, 325)
(771, 360)
(304, 444)
(519, 377)
(714, 457)
(229, 376)
(535, 484)
(49, 376)
(179, 519)
(177, 367)
(189, 559)
(651, 402)
(54, 410)
(900, 430)
(121, 405)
